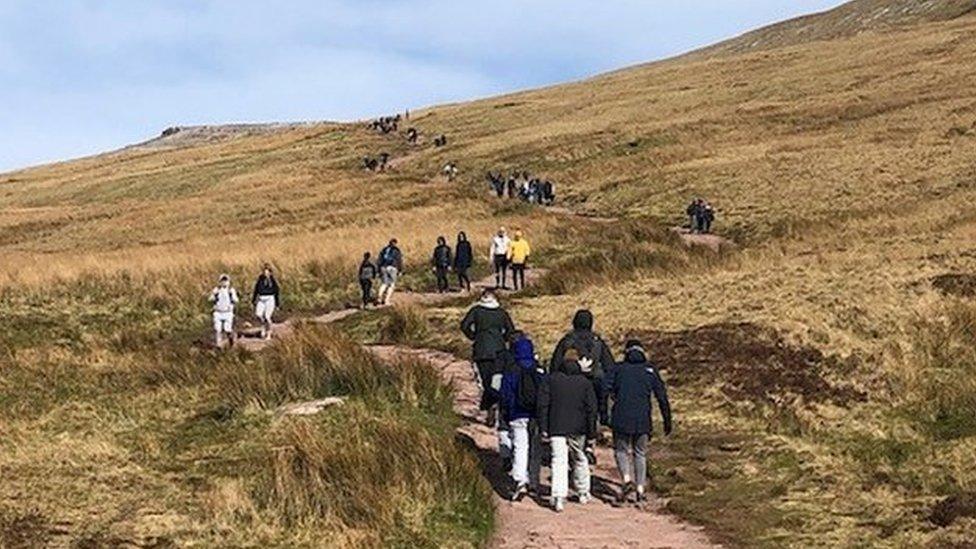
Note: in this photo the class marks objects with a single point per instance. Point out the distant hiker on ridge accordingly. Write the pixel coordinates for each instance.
(224, 298)
(265, 298)
(488, 326)
(391, 266)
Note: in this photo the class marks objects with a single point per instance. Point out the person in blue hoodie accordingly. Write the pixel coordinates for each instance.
(632, 383)
(520, 381)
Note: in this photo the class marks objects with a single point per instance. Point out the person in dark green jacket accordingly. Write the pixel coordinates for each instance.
(489, 327)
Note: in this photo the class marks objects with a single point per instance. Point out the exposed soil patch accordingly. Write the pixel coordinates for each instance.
(751, 363)
(956, 284)
(951, 508)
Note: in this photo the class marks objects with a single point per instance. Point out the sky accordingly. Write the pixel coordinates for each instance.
(79, 77)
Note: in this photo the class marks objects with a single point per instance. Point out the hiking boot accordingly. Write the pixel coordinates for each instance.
(558, 504)
(491, 417)
(507, 465)
(625, 492)
(590, 456)
(521, 490)
(584, 499)
(641, 497)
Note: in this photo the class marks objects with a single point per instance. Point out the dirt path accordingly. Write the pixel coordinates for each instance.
(714, 242)
(248, 338)
(530, 523)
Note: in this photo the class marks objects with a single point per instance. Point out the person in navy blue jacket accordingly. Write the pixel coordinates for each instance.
(520, 382)
(631, 384)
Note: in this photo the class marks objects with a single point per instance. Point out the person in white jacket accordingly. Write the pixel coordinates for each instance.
(498, 256)
(224, 298)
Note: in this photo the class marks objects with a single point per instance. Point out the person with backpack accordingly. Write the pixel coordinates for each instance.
(519, 401)
(708, 217)
(596, 358)
(567, 412)
(367, 273)
(498, 256)
(265, 298)
(391, 266)
(632, 383)
(693, 214)
(488, 326)
(518, 255)
(224, 298)
(441, 260)
(463, 259)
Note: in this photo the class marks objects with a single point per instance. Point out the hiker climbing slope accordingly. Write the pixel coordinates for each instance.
(488, 326)
(441, 260)
(595, 355)
(567, 411)
(463, 260)
(224, 298)
(367, 274)
(265, 298)
(391, 267)
(519, 401)
(518, 255)
(498, 256)
(631, 384)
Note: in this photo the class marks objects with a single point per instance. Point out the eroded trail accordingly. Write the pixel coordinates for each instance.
(530, 523)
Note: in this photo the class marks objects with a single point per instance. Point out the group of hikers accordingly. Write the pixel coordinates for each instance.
(701, 215)
(560, 406)
(265, 298)
(523, 186)
(377, 164)
(387, 124)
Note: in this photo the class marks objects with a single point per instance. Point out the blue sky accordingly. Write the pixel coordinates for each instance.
(85, 76)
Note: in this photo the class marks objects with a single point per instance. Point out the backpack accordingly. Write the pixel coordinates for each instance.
(389, 256)
(527, 392)
(588, 347)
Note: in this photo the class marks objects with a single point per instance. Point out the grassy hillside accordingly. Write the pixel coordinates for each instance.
(823, 384)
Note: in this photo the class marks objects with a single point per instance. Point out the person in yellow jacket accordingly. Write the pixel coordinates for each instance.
(518, 255)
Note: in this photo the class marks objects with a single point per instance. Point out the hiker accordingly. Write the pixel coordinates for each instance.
(224, 298)
(488, 326)
(632, 383)
(463, 259)
(521, 379)
(518, 254)
(265, 298)
(441, 260)
(451, 171)
(412, 135)
(693, 212)
(567, 412)
(548, 193)
(511, 186)
(384, 158)
(367, 273)
(391, 266)
(708, 216)
(595, 355)
(498, 256)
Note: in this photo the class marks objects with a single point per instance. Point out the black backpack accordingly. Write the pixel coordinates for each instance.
(589, 346)
(526, 396)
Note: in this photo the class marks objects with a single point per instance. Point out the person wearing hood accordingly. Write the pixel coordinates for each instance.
(265, 298)
(224, 298)
(567, 412)
(632, 383)
(367, 273)
(595, 354)
(498, 255)
(519, 400)
(441, 260)
(463, 259)
(488, 326)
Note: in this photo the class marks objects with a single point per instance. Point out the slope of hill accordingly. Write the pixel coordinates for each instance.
(844, 21)
(824, 387)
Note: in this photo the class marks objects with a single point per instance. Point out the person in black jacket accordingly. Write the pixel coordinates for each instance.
(463, 259)
(390, 264)
(265, 298)
(367, 273)
(567, 414)
(488, 326)
(632, 383)
(595, 354)
(441, 260)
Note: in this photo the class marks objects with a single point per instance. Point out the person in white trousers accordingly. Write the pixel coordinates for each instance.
(224, 298)
(265, 298)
